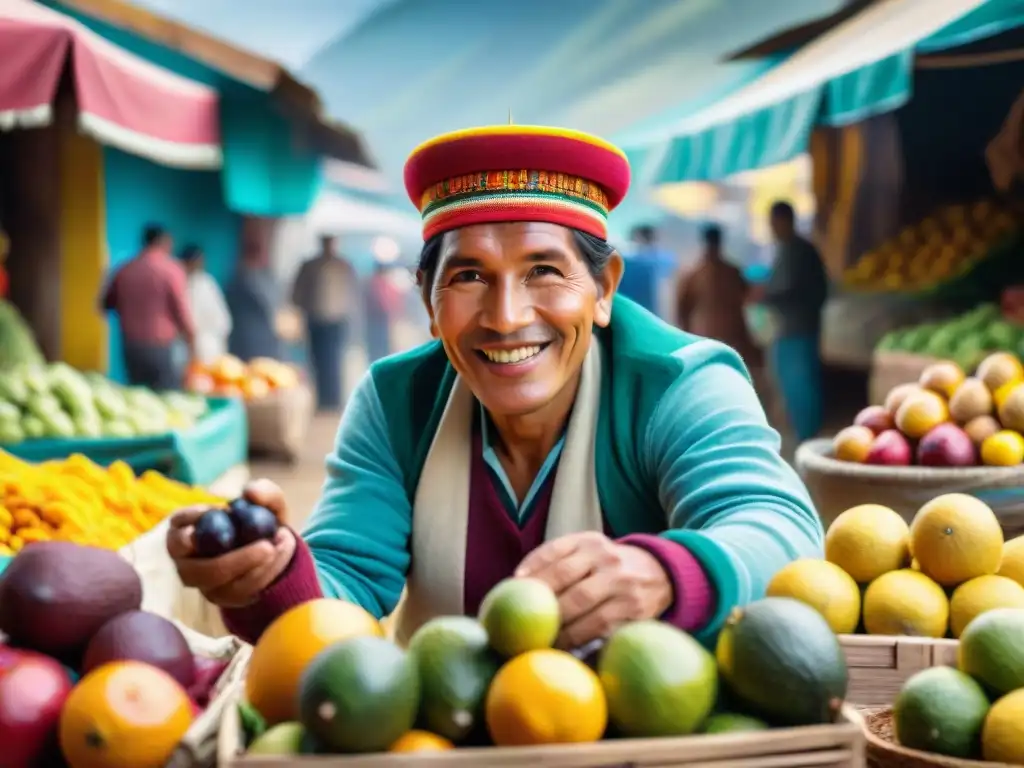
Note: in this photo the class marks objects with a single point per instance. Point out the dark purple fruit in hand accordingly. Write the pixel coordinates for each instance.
(214, 533)
(253, 523)
(237, 505)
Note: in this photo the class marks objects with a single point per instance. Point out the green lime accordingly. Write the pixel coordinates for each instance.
(520, 615)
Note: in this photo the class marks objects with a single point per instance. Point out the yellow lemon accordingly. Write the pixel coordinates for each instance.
(1002, 394)
(1002, 736)
(980, 595)
(956, 537)
(824, 586)
(1003, 449)
(867, 541)
(1012, 564)
(905, 602)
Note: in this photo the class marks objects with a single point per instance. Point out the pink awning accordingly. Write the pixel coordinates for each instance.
(123, 100)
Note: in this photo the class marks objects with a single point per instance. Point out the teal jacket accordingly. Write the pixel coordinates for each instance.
(683, 450)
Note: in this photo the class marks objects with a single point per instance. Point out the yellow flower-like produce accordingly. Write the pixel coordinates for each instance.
(76, 500)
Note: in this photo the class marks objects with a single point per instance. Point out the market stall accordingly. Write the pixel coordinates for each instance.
(909, 218)
(278, 400)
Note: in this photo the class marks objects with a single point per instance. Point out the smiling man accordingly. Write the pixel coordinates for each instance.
(550, 430)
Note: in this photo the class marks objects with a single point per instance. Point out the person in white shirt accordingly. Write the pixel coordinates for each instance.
(209, 310)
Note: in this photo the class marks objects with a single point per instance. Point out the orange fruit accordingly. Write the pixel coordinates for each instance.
(253, 388)
(956, 537)
(290, 643)
(421, 741)
(228, 370)
(545, 697)
(125, 714)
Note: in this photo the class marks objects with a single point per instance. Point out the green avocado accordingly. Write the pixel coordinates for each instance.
(359, 695)
(782, 661)
(456, 666)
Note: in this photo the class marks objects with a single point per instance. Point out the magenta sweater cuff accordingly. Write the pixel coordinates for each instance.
(694, 601)
(297, 584)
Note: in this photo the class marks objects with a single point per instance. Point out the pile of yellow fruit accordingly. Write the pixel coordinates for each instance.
(945, 245)
(929, 579)
(76, 500)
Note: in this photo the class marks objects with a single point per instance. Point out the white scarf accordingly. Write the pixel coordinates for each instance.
(436, 581)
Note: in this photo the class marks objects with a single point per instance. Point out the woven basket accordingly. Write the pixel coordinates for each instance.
(883, 752)
(835, 486)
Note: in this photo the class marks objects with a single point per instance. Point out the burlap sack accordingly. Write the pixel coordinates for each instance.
(890, 369)
(162, 590)
(279, 423)
(835, 486)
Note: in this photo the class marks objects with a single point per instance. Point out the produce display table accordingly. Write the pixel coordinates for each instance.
(836, 486)
(197, 456)
(840, 745)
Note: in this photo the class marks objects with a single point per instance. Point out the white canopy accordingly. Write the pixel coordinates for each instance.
(879, 31)
(340, 214)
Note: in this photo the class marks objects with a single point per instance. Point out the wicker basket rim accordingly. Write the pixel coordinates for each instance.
(815, 456)
(894, 756)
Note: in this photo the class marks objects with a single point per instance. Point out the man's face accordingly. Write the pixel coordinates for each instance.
(514, 306)
(782, 226)
(327, 246)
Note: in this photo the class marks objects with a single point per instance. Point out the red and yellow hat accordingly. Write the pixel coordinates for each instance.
(516, 173)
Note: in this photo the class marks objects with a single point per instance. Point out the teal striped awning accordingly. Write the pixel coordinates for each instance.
(861, 68)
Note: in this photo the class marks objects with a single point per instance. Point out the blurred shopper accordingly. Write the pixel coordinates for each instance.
(383, 305)
(324, 292)
(795, 293)
(209, 308)
(710, 300)
(647, 276)
(150, 296)
(254, 297)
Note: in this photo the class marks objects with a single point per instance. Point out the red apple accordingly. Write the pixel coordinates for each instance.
(890, 449)
(946, 445)
(32, 693)
(876, 418)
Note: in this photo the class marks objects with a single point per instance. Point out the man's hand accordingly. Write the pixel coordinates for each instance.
(600, 584)
(237, 578)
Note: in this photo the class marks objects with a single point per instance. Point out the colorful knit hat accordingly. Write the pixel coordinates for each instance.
(516, 173)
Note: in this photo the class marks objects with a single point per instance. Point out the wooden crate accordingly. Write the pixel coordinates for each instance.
(879, 665)
(841, 745)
